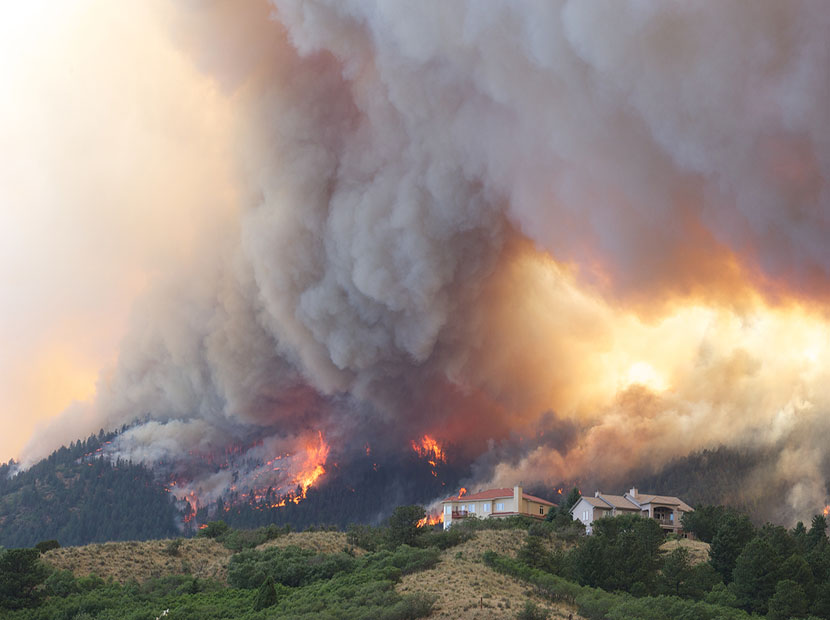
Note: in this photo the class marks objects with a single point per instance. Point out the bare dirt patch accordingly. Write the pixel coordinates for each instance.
(201, 557)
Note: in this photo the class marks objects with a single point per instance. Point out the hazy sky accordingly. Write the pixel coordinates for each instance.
(114, 155)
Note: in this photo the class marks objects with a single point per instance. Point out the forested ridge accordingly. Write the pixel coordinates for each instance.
(76, 498)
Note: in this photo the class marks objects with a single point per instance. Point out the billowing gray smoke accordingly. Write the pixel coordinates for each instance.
(456, 217)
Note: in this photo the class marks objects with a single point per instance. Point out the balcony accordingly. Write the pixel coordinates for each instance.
(459, 514)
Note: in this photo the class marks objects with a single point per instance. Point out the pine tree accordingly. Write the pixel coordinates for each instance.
(733, 534)
(755, 575)
(266, 595)
(789, 601)
(21, 574)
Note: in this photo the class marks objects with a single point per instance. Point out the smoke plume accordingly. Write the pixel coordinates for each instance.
(598, 226)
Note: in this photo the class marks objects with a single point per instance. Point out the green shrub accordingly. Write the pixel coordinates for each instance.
(290, 566)
(173, 547)
(61, 583)
(214, 529)
(445, 539)
(365, 536)
(47, 545)
(531, 611)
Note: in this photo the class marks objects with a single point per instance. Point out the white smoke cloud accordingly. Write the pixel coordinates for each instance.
(396, 160)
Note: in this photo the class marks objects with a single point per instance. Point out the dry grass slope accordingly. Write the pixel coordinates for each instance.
(200, 557)
(698, 550)
(321, 542)
(467, 589)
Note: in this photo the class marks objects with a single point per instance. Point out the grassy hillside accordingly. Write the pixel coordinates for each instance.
(468, 589)
(123, 561)
(463, 586)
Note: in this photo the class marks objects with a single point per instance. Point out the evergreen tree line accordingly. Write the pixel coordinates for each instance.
(766, 571)
(77, 497)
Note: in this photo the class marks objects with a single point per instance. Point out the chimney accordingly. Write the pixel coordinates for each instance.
(633, 492)
(517, 495)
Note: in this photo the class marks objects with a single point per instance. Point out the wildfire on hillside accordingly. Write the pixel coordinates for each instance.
(428, 448)
(283, 478)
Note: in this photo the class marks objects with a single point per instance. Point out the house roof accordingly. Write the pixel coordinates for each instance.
(539, 500)
(593, 501)
(488, 494)
(619, 502)
(495, 494)
(665, 500)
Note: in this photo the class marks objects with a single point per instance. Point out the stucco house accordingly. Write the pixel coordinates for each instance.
(666, 510)
(496, 503)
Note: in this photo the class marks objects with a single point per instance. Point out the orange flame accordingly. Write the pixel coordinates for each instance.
(429, 448)
(431, 520)
(306, 467)
(462, 491)
(193, 502)
(826, 511)
(316, 457)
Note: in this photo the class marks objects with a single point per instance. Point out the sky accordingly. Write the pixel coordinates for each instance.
(529, 230)
(115, 154)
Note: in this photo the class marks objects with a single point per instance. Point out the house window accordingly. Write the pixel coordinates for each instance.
(500, 507)
(472, 507)
(463, 507)
(541, 510)
(447, 509)
(487, 507)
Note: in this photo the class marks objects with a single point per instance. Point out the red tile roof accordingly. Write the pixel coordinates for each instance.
(496, 493)
(488, 494)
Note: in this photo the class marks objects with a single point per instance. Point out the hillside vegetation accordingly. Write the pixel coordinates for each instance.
(77, 495)
(202, 558)
(511, 568)
(76, 498)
